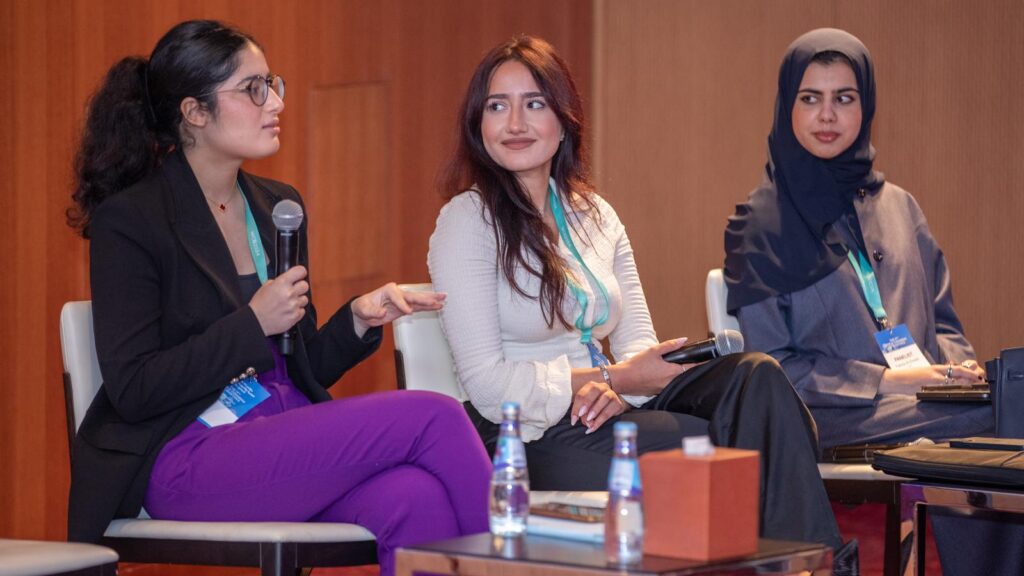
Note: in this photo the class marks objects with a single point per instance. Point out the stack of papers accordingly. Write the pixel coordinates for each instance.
(568, 529)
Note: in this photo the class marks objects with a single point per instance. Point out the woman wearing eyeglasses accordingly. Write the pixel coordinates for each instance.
(181, 240)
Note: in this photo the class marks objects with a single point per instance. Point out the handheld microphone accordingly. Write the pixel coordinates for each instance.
(725, 342)
(287, 218)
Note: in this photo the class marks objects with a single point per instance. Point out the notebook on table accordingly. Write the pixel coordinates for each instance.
(956, 393)
(856, 453)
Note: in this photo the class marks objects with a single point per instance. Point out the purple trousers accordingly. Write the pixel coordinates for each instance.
(408, 466)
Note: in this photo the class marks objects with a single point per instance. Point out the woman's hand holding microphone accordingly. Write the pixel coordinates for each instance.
(645, 374)
(281, 303)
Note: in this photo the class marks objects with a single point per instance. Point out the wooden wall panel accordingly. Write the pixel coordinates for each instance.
(29, 444)
(348, 179)
(686, 95)
(949, 132)
(351, 251)
(8, 446)
(56, 51)
(428, 88)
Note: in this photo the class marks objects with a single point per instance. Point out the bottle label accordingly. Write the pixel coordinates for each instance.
(510, 452)
(624, 476)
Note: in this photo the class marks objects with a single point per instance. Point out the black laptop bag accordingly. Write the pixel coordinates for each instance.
(975, 461)
(1005, 375)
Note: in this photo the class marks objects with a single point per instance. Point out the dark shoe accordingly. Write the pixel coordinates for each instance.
(846, 560)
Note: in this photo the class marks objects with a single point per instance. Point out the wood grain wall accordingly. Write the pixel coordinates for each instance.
(684, 96)
(373, 87)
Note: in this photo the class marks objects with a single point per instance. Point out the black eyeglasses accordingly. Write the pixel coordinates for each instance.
(259, 87)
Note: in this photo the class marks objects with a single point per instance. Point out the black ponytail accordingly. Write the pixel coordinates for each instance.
(118, 146)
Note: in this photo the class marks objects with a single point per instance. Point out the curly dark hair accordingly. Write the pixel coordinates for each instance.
(518, 225)
(134, 118)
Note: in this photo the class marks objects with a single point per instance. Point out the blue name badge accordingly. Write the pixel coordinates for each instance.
(237, 399)
(899, 348)
(596, 357)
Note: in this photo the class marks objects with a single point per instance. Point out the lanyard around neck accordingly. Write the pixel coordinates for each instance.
(259, 257)
(563, 232)
(869, 286)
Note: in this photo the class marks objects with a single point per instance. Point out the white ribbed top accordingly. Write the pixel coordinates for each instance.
(503, 348)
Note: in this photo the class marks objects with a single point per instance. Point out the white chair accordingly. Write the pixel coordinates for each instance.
(850, 484)
(715, 293)
(423, 360)
(276, 547)
(45, 558)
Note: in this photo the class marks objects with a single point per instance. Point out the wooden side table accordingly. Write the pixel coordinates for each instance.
(484, 555)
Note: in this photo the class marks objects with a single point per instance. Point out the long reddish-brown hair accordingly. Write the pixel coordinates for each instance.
(518, 225)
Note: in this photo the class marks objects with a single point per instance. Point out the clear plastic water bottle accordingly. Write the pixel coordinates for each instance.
(510, 484)
(624, 519)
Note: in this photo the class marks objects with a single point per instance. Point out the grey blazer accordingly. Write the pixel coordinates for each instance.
(823, 335)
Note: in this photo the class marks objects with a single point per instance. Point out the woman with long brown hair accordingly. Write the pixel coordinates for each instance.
(538, 270)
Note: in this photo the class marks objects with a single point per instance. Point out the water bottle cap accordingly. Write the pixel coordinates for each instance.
(510, 409)
(624, 429)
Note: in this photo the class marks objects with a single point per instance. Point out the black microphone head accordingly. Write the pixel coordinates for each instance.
(728, 342)
(287, 215)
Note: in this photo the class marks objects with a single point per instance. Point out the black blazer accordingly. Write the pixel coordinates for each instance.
(172, 329)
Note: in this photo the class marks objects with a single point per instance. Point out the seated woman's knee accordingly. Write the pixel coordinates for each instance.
(415, 496)
(766, 370)
(427, 398)
(759, 361)
(432, 404)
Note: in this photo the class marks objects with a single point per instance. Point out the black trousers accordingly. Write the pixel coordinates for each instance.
(741, 401)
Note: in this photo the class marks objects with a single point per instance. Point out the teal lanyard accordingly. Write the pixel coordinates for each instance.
(869, 286)
(259, 257)
(577, 291)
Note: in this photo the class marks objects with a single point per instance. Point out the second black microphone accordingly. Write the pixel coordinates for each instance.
(726, 342)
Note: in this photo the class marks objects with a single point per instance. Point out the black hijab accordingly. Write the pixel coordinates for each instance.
(781, 240)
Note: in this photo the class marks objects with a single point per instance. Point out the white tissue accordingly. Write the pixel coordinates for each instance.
(698, 446)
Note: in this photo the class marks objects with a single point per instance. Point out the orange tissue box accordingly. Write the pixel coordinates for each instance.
(700, 507)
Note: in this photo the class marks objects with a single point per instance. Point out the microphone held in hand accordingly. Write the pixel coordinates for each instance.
(726, 342)
(287, 218)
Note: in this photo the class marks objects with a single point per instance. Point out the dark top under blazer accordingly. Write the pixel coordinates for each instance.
(172, 329)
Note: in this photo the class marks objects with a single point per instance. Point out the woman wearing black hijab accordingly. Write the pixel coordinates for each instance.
(804, 253)
(803, 257)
